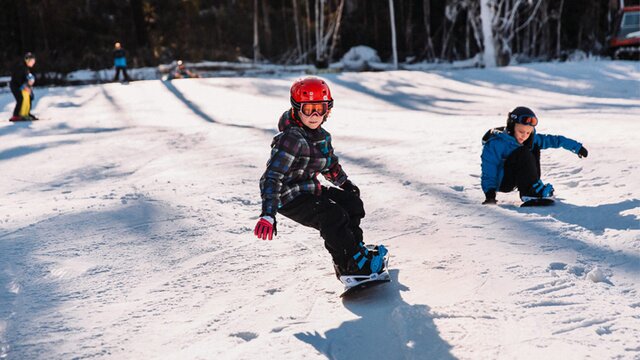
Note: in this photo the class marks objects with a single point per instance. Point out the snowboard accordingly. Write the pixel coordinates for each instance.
(538, 202)
(24, 120)
(366, 284)
(356, 283)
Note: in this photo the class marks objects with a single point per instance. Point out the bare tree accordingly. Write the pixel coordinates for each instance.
(336, 30)
(297, 26)
(319, 19)
(489, 54)
(394, 45)
(266, 24)
(559, 28)
(256, 46)
(323, 55)
(451, 12)
(426, 9)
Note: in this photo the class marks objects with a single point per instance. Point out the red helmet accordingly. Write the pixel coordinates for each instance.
(310, 89)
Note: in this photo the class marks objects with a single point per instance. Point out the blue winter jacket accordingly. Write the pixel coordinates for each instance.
(499, 146)
(120, 62)
(119, 58)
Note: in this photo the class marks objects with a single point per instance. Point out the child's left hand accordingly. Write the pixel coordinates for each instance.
(348, 186)
(583, 152)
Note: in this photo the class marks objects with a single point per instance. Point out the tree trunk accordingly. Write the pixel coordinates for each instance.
(486, 15)
(394, 46)
(336, 31)
(406, 17)
(558, 30)
(321, 42)
(297, 26)
(317, 28)
(426, 8)
(307, 37)
(256, 46)
(266, 42)
(467, 36)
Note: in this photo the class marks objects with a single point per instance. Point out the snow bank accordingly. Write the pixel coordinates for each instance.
(360, 58)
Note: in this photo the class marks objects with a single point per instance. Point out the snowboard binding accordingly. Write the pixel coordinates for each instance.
(353, 282)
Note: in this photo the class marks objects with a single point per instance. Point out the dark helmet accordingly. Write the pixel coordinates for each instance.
(520, 115)
(29, 56)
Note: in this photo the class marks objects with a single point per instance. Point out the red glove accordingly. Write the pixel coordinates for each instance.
(265, 228)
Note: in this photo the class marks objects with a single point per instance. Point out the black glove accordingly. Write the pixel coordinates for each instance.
(490, 198)
(349, 187)
(582, 152)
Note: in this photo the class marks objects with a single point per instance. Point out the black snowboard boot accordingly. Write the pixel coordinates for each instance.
(364, 262)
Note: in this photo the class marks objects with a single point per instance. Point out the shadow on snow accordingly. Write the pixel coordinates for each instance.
(387, 328)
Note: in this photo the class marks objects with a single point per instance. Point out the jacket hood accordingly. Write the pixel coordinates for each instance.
(288, 120)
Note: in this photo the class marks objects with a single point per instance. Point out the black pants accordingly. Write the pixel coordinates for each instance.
(336, 214)
(124, 72)
(521, 170)
(18, 95)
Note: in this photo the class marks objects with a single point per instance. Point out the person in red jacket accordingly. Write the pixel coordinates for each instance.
(289, 186)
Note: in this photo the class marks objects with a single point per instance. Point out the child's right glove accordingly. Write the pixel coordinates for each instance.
(265, 228)
(582, 152)
(490, 198)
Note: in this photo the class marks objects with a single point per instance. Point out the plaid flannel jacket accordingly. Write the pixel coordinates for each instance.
(298, 155)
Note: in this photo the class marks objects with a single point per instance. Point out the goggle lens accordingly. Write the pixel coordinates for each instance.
(528, 120)
(309, 109)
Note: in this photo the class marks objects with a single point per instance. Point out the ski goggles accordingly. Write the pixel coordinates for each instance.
(320, 108)
(527, 120)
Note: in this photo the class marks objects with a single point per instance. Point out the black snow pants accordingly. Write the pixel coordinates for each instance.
(17, 93)
(336, 214)
(521, 170)
(124, 72)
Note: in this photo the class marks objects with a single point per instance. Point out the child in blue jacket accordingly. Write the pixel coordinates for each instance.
(511, 157)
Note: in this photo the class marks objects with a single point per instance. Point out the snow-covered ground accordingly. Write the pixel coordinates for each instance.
(127, 214)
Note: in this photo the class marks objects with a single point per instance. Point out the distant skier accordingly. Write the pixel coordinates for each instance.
(289, 186)
(181, 72)
(120, 62)
(511, 157)
(21, 85)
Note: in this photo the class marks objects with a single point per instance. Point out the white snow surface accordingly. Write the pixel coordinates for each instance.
(127, 214)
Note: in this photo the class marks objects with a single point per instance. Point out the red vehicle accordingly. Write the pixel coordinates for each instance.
(625, 42)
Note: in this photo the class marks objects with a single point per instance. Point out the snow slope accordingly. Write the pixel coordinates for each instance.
(127, 214)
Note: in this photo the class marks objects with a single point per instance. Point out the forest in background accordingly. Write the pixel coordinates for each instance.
(79, 34)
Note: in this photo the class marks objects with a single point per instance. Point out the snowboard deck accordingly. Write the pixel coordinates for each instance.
(24, 120)
(366, 285)
(538, 202)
